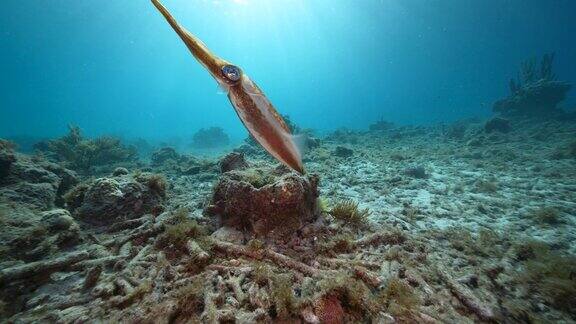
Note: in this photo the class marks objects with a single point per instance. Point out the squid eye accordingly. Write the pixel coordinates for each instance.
(231, 72)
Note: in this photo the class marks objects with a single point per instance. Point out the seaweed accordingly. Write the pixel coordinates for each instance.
(342, 243)
(157, 183)
(191, 299)
(177, 234)
(531, 71)
(400, 297)
(258, 178)
(488, 186)
(283, 295)
(546, 216)
(552, 275)
(347, 212)
(352, 292)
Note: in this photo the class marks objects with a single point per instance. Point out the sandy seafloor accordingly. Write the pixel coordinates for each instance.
(463, 226)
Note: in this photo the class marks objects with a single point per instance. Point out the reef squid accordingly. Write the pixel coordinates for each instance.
(258, 115)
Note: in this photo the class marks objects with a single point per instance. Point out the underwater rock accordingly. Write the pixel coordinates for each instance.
(120, 171)
(109, 200)
(233, 161)
(343, 152)
(57, 219)
(35, 182)
(163, 155)
(7, 157)
(268, 202)
(497, 124)
(417, 172)
(210, 138)
(29, 235)
(228, 234)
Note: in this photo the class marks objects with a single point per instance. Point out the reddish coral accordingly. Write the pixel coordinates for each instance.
(329, 310)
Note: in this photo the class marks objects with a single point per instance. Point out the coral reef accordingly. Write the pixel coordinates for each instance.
(535, 92)
(210, 138)
(81, 154)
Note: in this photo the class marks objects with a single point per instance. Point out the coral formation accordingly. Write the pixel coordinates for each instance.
(535, 92)
(81, 154)
(108, 200)
(267, 202)
(210, 138)
(33, 181)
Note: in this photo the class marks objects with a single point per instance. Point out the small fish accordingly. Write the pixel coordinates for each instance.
(256, 112)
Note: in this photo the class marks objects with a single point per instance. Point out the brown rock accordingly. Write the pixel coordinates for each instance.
(268, 202)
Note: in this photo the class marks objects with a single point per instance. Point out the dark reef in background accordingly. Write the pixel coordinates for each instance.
(535, 93)
(207, 138)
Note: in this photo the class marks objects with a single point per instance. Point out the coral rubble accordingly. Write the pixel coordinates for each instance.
(437, 224)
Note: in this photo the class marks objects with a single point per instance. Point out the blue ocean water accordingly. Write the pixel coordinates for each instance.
(116, 67)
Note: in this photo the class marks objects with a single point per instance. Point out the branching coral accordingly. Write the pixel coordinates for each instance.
(535, 92)
(347, 212)
(530, 72)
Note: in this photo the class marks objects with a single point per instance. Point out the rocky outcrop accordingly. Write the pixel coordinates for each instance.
(265, 202)
(538, 99)
(33, 181)
(108, 200)
(233, 161)
(497, 124)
